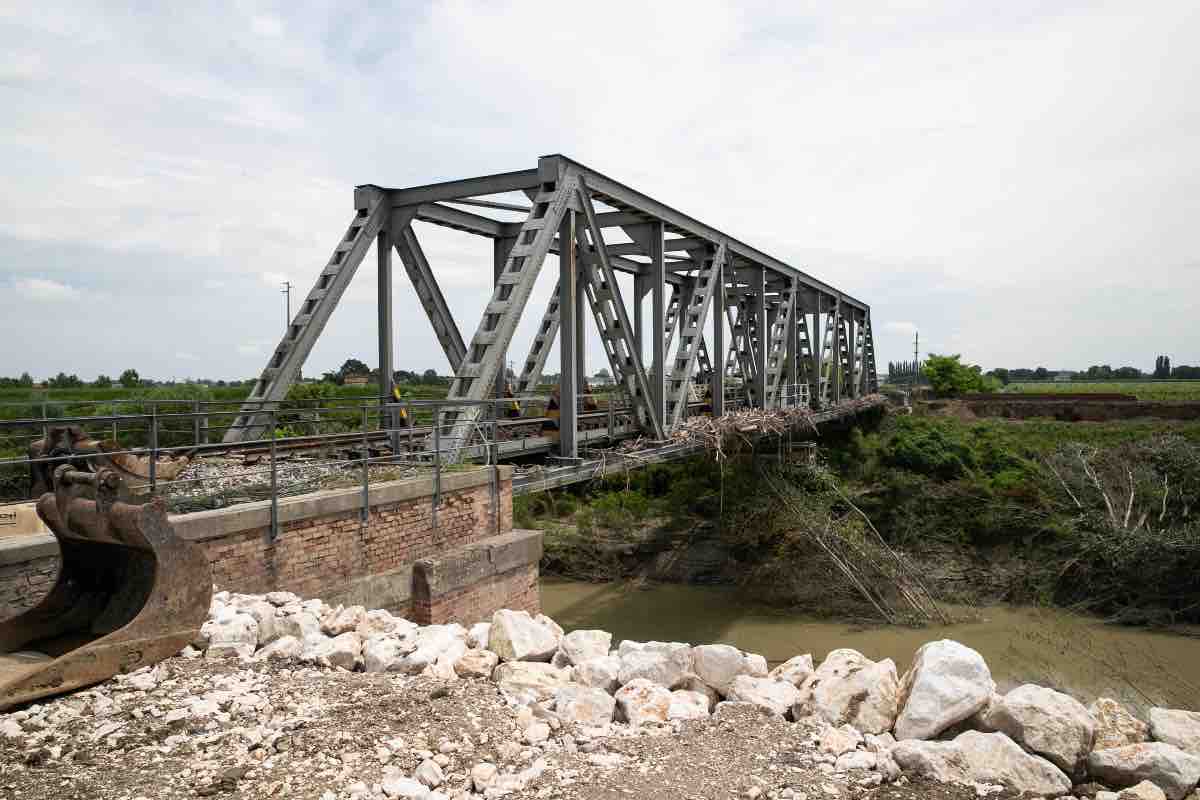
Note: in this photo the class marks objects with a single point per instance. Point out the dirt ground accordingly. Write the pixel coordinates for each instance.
(196, 728)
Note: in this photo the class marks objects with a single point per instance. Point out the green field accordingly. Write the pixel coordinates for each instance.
(1143, 390)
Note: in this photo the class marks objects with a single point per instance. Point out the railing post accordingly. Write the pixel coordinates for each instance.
(437, 462)
(364, 514)
(274, 484)
(494, 458)
(153, 447)
(196, 422)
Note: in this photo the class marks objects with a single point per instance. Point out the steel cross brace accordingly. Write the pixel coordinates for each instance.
(870, 378)
(694, 315)
(429, 293)
(310, 319)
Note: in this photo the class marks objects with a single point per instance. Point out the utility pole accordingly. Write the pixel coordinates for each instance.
(916, 359)
(286, 290)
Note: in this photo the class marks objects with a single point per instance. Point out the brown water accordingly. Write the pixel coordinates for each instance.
(1021, 645)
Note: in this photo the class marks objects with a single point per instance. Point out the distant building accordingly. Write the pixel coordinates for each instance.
(355, 380)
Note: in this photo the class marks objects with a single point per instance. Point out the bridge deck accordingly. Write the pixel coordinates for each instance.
(614, 463)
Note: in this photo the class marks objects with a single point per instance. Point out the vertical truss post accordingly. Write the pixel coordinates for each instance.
(568, 385)
(501, 246)
(795, 341)
(692, 323)
(383, 252)
(852, 355)
(612, 320)
(718, 375)
(758, 317)
(371, 213)
(476, 377)
(817, 387)
(837, 376)
(658, 289)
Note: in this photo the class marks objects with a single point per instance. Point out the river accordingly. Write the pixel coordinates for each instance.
(1050, 647)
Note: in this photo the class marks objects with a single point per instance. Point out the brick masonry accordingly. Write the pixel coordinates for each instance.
(324, 549)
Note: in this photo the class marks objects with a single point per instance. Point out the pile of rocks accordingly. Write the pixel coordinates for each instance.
(574, 694)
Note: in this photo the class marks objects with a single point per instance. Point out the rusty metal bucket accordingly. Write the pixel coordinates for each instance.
(129, 592)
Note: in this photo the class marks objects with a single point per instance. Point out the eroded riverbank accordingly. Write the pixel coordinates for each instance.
(1049, 647)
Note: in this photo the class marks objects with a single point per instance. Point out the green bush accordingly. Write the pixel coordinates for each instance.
(928, 449)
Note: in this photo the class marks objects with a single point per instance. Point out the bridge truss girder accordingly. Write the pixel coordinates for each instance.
(781, 325)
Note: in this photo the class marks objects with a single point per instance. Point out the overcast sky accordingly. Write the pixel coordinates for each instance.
(1018, 180)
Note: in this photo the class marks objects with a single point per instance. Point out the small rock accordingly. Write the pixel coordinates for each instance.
(777, 697)
(641, 701)
(516, 636)
(429, 773)
(795, 670)
(476, 664)
(947, 683)
(344, 621)
(1116, 727)
(1166, 766)
(583, 705)
(584, 645)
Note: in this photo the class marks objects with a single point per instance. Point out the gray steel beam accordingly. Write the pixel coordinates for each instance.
(757, 303)
(383, 252)
(428, 292)
(658, 287)
(692, 321)
(492, 204)
(543, 338)
(718, 373)
(456, 190)
(500, 250)
(568, 387)
(459, 220)
(626, 199)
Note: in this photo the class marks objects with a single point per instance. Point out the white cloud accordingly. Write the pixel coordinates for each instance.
(44, 289)
(938, 162)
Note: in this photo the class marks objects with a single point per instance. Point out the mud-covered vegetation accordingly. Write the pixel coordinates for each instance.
(1100, 517)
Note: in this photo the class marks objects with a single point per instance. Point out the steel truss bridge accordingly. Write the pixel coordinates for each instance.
(784, 335)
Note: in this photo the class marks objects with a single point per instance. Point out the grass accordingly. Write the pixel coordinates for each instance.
(1143, 390)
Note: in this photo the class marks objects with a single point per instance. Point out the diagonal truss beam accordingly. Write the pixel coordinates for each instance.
(430, 295)
(535, 362)
(777, 348)
(694, 316)
(305, 327)
(475, 378)
(612, 319)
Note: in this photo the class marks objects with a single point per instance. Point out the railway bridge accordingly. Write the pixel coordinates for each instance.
(704, 320)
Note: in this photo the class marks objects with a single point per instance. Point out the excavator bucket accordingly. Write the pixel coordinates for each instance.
(129, 592)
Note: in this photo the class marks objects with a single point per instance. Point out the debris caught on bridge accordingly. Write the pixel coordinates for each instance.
(717, 434)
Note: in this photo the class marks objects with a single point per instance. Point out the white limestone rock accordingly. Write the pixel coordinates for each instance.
(381, 622)
(718, 664)
(857, 759)
(599, 673)
(1115, 726)
(343, 621)
(285, 648)
(836, 741)
(482, 775)
(974, 758)
(642, 701)
(477, 635)
(231, 634)
(584, 645)
(302, 625)
(777, 697)
(687, 704)
(384, 654)
(1142, 791)
(265, 615)
(344, 651)
(666, 663)
(584, 705)
(404, 788)
(516, 636)
(430, 644)
(476, 663)
(1175, 727)
(756, 665)
(947, 683)
(532, 681)
(850, 688)
(429, 773)
(281, 598)
(1048, 723)
(550, 625)
(795, 670)
(1166, 766)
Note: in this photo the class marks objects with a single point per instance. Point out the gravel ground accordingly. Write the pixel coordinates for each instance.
(223, 728)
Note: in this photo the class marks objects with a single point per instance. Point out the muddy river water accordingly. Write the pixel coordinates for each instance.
(1049, 647)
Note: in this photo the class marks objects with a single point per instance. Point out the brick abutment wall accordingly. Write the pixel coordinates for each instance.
(460, 567)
